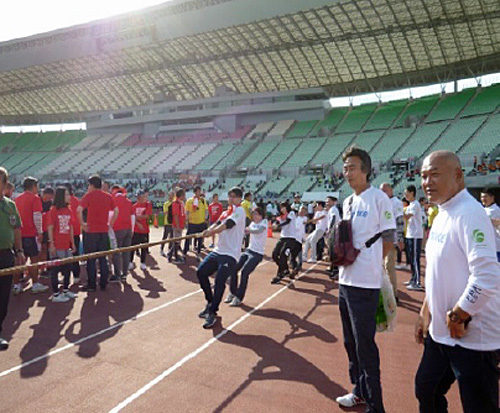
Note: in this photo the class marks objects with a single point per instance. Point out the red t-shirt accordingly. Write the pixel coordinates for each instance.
(61, 219)
(98, 204)
(214, 211)
(178, 209)
(142, 208)
(74, 203)
(125, 212)
(27, 203)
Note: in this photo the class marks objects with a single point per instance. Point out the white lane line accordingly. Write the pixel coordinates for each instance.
(100, 332)
(194, 353)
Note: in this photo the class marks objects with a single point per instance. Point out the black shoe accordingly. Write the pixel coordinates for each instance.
(4, 344)
(276, 279)
(205, 311)
(210, 320)
(114, 279)
(88, 289)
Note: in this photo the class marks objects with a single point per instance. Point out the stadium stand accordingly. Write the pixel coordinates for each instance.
(261, 129)
(280, 129)
(457, 134)
(356, 118)
(423, 137)
(333, 148)
(486, 138)
(486, 101)
(417, 110)
(385, 115)
(231, 159)
(451, 105)
(302, 129)
(301, 184)
(305, 152)
(280, 154)
(330, 122)
(259, 154)
(276, 186)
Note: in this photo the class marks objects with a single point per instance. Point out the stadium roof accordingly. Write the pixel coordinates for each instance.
(185, 49)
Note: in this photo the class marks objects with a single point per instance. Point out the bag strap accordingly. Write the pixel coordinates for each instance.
(373, 239)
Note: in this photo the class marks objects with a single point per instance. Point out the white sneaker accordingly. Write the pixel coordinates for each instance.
(229, 298)
(236, 302)
(60, 298)
(70, 294)
(311, 261)
(17, 289)
(38, 288)
(143, 266)
(131, 266)
(349, 400)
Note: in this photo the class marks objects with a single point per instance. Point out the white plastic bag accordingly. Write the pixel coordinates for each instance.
(388, 323)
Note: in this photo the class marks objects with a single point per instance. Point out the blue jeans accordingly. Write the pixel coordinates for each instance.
(94, 242)
(357, 311)
(225, 267)
(475, 371)
(414, 251)
(247, 263)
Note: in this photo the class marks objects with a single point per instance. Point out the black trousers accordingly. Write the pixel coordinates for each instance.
(246, 239)
(284, 248)
(475, 371)
(75, 267)
(140, 239)
(168, 232)
(6, 261)
(95, 242)
(357, 311)
(414, 251)
(198, 242)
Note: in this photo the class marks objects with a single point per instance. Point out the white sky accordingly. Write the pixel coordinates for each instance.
(21, 18)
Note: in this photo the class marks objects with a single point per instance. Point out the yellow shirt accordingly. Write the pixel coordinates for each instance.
(431, 214)
(165, 212)
(247, 206)
(196, 215)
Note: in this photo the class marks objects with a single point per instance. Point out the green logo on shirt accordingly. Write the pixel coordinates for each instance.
(478, 235)
(388, 215)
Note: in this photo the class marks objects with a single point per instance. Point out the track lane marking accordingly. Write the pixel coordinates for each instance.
(203, 347)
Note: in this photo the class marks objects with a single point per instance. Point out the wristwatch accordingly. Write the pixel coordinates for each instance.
(455, 318)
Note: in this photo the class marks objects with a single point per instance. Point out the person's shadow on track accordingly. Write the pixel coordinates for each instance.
(46, 334)
(101, 318)
(148, 282)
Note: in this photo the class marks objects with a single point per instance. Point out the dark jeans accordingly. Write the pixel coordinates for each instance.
(225, 266)
(247, 263)
(6, 261)
(168, 232)
(414, 250)
(319, 248)
(246, 239)
(94, 242)
(357, 311)
(284, 248)
(475, 371)
(139, 239)
(75, 267)
(65, 270)
(198, 242)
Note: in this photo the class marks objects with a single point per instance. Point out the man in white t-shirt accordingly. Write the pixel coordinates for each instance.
(493, 212)
(371, 216)
(390, 259)
(223, 259)
(333, 218)
(414, 236)
(321, 221)
(300, 235)
(458, 322)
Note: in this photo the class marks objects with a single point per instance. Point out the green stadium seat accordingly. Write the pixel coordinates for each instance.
(486, 138)
(305, 152)
(301, 184)
(458, 133)
(486, 101)
(276, 185)
(280, 154)
(232, 157)
(419, 108)
(330, 122)
(450, 105)
(332, 149)
(391, 141)
(385, 115)
(259, 154)
(213, 158)
(301, 129)
(421, 140)
(356, 118)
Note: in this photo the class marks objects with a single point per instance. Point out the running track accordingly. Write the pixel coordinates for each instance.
(140, 347)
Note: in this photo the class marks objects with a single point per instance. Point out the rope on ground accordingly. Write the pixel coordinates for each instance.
(90, 256)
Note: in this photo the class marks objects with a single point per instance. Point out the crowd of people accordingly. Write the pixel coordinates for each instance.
(457, 322)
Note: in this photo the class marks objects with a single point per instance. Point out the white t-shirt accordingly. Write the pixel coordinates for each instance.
(372, 213)
(258, 240)
(322, 224)
(300, 228)
(310, 208)
(493, 212)
(462, 268)
(397, 207)
(288, 231)
(230, 239)
(414, 229)
(333, 212)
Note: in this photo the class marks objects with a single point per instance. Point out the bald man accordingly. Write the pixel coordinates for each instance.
(458, 323)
